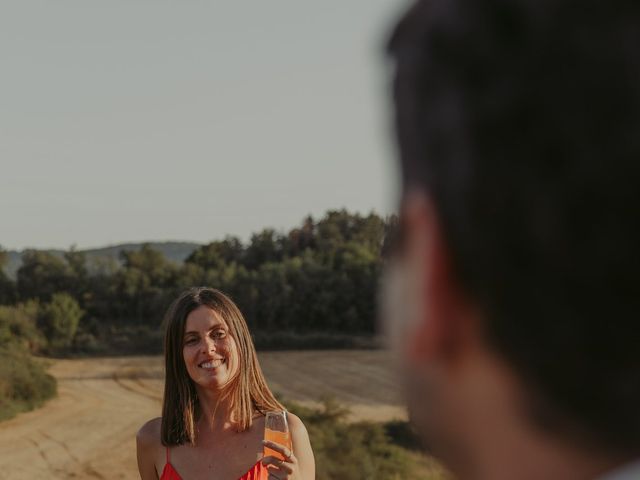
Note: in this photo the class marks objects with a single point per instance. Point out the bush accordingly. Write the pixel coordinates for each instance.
(18, 327)
(403, 434)
(24, 383)
(352, 451)
(94, 338)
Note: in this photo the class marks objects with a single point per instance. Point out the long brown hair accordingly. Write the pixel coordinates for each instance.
(247, 391)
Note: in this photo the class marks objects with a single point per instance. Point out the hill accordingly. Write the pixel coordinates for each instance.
(174, 251)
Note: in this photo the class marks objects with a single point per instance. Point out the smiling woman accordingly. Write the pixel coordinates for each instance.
(215, 401)
(215, 365)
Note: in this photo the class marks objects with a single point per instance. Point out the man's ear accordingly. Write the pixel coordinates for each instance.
(433, 292)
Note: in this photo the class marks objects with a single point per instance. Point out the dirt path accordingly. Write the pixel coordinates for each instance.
(88, 431)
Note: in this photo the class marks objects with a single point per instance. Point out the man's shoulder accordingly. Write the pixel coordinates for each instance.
(628, 471)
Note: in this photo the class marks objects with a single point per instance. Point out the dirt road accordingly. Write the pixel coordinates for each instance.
(88, 431)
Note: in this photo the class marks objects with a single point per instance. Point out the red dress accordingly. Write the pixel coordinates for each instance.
(257, 472)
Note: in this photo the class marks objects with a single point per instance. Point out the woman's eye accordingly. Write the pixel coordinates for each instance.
(219, 334)
(191, 341)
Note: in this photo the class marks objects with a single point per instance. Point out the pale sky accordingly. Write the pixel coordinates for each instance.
(133, 120)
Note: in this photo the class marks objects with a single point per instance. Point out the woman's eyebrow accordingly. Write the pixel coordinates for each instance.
(195, 332)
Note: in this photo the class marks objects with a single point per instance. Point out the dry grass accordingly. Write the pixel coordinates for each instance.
(88, 431)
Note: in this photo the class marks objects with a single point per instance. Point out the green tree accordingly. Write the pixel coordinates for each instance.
(7, 287)
(301, 239)
(265, 246)
(42, 274)
(311, 305)
(216, 255)
(144, 286)
(77, 262)
(320, 277)
(79, 279)
(339, 227)
(149, 261)
(273, 298)
(59, 320)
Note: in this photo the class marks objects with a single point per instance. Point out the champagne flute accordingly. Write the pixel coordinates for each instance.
(276, 429)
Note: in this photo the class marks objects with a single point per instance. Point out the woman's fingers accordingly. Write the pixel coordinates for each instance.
(277, 463)
(288, 454)
(279, 469)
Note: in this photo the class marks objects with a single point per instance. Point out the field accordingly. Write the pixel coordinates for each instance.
(88, 430)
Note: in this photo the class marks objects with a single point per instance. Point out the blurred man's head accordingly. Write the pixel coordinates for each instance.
(518, 124)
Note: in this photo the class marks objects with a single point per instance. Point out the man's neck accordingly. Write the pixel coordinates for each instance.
(501, 442)
(531, 456)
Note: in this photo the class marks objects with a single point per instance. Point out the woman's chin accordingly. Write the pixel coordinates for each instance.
(212, 383)
(211, 378)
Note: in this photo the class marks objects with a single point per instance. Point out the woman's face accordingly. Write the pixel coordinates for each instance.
(209, 351)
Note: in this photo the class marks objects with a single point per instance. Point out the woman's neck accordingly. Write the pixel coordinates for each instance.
(215, 411)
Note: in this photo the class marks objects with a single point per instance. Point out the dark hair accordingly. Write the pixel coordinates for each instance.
(248, 391)
(521, 119)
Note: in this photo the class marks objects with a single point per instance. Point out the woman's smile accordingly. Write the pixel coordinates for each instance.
(212, 364)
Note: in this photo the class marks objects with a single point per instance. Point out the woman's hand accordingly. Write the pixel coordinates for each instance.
(287, 469)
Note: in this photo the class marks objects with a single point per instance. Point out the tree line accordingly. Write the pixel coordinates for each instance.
(318, 278)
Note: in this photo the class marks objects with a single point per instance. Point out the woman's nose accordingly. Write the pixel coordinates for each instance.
(209, 344)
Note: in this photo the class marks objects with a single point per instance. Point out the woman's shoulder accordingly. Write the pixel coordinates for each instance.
(149, 434)
(301, 445)
(295, 424)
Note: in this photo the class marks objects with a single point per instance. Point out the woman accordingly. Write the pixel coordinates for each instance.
(215, 400)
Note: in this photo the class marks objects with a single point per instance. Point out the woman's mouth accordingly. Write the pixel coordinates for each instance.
(210, 364)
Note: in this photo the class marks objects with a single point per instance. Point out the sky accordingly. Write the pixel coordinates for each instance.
(154, 120)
